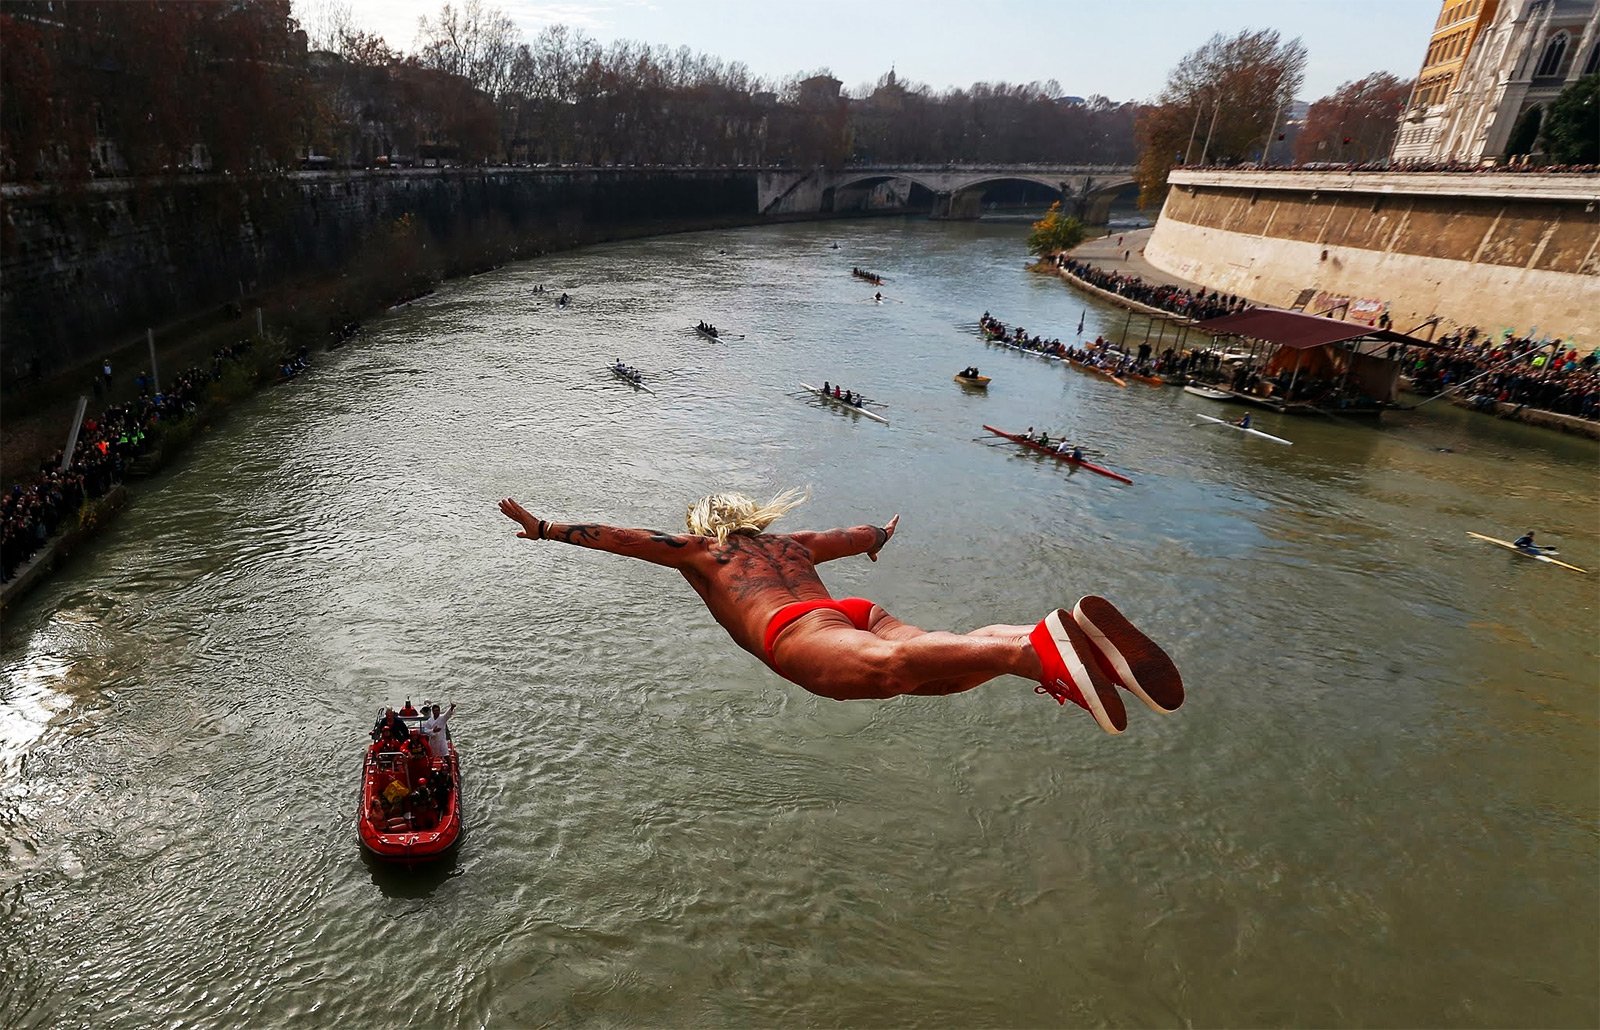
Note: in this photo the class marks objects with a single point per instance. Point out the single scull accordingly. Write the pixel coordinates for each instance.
(1245, 429)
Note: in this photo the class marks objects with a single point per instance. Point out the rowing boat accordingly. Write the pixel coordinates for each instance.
(1246, 429)
(1068, 458)
(1536, 556)
(1150, 380)
(1206, 392)
(1084, 366)
(979, 382)
(838, 402)
(636, 381)
(710, 334)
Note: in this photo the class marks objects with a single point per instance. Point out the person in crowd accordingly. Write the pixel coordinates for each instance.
(765, 591)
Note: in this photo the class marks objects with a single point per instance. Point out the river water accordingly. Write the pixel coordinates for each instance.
(1378, 807)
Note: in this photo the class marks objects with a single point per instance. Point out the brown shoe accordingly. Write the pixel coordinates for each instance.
(1132, 659)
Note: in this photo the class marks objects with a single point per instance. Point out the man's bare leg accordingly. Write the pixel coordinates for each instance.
(846, 663)
(889, 628)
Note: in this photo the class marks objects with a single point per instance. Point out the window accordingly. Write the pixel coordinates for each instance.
(1592, 65)
(1554, 51)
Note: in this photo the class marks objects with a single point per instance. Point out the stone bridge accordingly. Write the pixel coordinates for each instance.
(1087, 190)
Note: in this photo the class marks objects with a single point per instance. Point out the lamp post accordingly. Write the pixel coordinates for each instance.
(1216, 108)
(1192, 130)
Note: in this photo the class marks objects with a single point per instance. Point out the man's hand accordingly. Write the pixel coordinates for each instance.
(888, 531)
(518, 514)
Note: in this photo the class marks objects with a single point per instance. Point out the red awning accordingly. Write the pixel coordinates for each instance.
(1299, 331)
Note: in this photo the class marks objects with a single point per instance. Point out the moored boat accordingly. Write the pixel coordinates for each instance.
(1147, 380)
(1207, 392)
(1052, 452)
(1084, 366)
(839, 402)
(410, 800)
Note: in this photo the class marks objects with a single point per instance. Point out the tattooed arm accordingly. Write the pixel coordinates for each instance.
(842, 543)
(671, 550)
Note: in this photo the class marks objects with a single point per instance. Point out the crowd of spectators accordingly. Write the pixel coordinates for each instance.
(1385, 165)
(32, 513)
(1194, 304)
(1546, 375)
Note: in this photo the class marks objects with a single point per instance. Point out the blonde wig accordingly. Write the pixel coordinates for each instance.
(721, 515)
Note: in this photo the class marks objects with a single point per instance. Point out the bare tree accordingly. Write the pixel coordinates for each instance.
(1356, 122)
(1220, 103)
(475, 42)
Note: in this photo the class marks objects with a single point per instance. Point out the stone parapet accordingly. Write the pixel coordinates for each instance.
(1494, 250)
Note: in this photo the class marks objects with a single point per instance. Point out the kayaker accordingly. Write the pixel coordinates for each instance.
(765, 591)
(1525, 542)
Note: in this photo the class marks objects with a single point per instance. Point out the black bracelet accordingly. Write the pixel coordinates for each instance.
(543, 525)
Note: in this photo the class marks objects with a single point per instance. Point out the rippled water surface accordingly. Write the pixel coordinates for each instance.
(1379, 806)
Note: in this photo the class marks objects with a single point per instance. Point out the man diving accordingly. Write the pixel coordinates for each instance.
(764, 590)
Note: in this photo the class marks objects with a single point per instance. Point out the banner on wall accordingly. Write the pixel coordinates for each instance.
(1366, 310)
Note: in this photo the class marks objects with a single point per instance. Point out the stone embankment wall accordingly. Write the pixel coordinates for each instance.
(82, 266)
(1491, 250)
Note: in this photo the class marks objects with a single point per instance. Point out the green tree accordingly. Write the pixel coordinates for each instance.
(1053, 233)
(1572, 129)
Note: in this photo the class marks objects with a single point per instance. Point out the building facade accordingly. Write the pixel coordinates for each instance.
(1459, 24)
(1519, 58)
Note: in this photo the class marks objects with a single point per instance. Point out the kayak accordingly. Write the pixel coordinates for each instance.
(1069, 459)
(1536, 556)
(1246, 429)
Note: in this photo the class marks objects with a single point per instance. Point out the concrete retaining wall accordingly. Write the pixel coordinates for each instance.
(1495, 250)
(83, 266)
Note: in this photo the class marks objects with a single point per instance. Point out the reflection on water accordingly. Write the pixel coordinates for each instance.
(1378, 806)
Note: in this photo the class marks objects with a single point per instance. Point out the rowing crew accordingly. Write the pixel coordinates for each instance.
(844, 396)
(627, 371)
(707, 328)
(1062, 446)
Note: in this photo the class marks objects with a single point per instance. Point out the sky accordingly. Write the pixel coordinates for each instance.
(1122, 49)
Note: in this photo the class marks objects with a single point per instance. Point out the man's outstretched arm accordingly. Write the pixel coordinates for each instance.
(842, 543)
(671, 550)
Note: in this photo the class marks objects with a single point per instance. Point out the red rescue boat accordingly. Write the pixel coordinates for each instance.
(410, 799)
(1068, 458)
